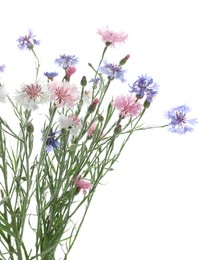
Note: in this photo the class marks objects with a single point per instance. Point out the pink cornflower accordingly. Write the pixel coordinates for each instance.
(127, 105)
(82, 184)
(64, 93)
(71, 123)
(91, 129)
(70, 71)
(110, 37)
(31, 95)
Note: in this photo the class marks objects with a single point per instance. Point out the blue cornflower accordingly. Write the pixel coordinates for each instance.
(2, 68)
(51, 142)
(50, 75)
(144, 86)
(95, 81)
(65, 61)
(179, 122)
(113, 71)
(27, 41)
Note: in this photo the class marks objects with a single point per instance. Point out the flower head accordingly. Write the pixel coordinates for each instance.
(51, 75)
(144, 86)
(27, 41)
(64, 93)
(82, 184)
(51, 141)
(2, 68)
(113, 71)
(65, 61)
(179, 123)
(110, 37)
(127, 105)
(71, 123)
(31, 95)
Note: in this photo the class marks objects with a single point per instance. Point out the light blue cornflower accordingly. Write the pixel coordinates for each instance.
(113, 71)
(144, 86)
(27, 41)
(65, 61)
(179, 123)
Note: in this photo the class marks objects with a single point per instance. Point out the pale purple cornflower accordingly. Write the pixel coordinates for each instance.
(71, 123)
(32, 95)
(127, 105)
(51, 141)
(2, 68)
(179, 123)
(65, 61)
(27, 41)
(144, 86)
(63, 93)
(111, 38)
(113, 71)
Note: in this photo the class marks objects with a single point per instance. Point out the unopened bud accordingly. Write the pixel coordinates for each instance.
(100, 118)
(30, 128)
(92, 107)
(83, 81)
(146, 104)
(118, 129)
(123, 61)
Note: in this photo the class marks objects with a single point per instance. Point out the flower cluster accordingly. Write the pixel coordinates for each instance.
(80, 137)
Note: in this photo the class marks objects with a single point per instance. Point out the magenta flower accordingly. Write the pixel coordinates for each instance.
(111, 38)
(27, 41)
(127, 105)
(82, 184)
(64, 93)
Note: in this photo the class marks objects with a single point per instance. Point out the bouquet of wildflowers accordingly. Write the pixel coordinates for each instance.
(47, 181)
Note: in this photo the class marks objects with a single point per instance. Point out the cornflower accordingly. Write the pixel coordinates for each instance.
(82, 184)
(50, 75)
(113, 71)
(64, 93)
(110, 37)
(179, 123)
(71, 123)
(65, 61)
(32, 95)
(27, 41)
(144, 86)
(127, 105)
(51, 141)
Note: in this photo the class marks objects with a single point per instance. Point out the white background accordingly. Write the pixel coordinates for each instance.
(161, 202)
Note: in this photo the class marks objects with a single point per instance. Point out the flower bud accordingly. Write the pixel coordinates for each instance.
(30, 128)
(83, 81)
(118, 129)
(92, 107)
(146, 104)
(123, 61)
(100, 118)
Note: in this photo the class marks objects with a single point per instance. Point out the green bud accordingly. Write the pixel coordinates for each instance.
(123, 61)
(118, 129)
(100, 118)
(30, 128)
(146, 104)
(83, 81)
